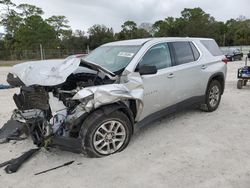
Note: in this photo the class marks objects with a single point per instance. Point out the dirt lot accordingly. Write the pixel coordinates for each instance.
(191, 149)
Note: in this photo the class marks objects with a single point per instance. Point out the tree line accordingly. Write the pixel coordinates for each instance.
(27, 29)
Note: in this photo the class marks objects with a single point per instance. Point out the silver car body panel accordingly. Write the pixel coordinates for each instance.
(189, 79)
(151, 92)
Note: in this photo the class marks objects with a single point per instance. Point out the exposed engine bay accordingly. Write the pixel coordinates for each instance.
(50, 109)
(57, 110)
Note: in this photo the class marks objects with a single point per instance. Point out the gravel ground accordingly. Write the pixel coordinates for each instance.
(190, 149)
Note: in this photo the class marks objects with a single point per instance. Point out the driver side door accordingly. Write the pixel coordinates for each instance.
(158, 87)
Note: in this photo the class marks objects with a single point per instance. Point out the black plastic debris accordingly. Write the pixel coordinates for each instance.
(2, 86)
(13, 165)
(12, 130)
(65, 164)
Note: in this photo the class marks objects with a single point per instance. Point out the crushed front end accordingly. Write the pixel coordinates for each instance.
(56, 96)
(46, 107)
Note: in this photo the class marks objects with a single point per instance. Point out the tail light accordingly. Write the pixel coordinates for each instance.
(225, 60)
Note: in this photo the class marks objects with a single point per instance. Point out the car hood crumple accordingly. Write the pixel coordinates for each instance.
(50, 72)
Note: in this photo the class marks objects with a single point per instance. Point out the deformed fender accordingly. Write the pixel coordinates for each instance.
(130, 87)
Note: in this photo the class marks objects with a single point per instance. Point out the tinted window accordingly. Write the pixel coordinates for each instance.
(195, 51)
(212, 47)
(158, 55)
(183, 52)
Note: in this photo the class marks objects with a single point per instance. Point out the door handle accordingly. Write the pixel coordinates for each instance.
(203, 67)
(171, 75)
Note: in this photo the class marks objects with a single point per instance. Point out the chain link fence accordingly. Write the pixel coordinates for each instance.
(38, 54)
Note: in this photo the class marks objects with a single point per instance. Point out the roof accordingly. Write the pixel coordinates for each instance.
(138, 42)
(132, 42)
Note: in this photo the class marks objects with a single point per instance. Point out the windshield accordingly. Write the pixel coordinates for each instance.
(113, 58)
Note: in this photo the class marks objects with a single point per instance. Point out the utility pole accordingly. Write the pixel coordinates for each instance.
(87, 49)
(224, 39)
(41, 51)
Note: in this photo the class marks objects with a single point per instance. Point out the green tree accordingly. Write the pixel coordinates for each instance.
(99, 34)
(131, 31)
(168, 27)
(33, 32)
(60, 24)
(9, 18)
(196, 22)
(29, 10)
(238, 32)
(76, 43)
(128, 30)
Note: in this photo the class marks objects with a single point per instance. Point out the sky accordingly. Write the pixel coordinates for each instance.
(82, 14)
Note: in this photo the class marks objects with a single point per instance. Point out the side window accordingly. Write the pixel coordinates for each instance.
(158, 55)
(195, 51)
(183, 52)
(212, 47)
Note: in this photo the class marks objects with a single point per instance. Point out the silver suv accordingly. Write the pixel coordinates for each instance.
(93, 104)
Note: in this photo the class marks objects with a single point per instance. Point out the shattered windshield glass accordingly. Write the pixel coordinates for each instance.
(113, 58)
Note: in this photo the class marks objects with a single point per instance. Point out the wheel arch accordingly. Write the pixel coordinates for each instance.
(219, 77)
(129, 108)
(109, 108)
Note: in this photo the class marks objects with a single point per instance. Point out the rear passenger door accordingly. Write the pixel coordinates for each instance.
(187, 71)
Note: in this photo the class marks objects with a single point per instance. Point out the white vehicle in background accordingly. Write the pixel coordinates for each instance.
(95, 103)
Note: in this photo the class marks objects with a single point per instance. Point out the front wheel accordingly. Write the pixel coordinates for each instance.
(104, 135)
(213, 96)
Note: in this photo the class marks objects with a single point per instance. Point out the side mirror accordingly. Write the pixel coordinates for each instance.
(146, 69)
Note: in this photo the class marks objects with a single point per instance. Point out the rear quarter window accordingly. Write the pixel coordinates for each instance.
(195, 51)
(212, 47)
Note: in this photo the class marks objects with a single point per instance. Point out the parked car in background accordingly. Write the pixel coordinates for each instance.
(101, 99)
(233, 54)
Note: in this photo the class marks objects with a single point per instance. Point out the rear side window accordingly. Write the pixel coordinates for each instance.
(183, 52)
(212, 47)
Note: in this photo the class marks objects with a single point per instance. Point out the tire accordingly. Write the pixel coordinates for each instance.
(245, 82)
(213, 96)
(240, 84)
(96, 133)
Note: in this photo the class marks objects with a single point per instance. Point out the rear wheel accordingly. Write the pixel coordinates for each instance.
(240, 84)
(104, 135)
(213, 96)
(245, 82)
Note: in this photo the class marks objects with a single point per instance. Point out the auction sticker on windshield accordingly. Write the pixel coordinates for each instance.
(125, 54)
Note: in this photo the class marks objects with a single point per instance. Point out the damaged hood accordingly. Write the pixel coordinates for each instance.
(51, 72)
(45, 72)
